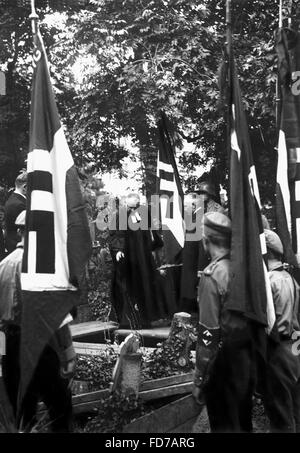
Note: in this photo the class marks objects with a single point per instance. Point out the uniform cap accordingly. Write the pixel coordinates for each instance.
(20, 220)
(273, 241)
(216, 224)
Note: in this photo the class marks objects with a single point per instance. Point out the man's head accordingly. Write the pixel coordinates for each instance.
(207, 190)
(133, 200)
(20, 224)
(216, 232)
(21, 183)
(274, 245)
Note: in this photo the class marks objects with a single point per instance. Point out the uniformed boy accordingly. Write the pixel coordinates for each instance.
(224, 363)
(282, 399)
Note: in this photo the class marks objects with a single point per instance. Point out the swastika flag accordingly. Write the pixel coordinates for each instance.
(57, 241)
(288, 165)
(170, 196)
(250, 293)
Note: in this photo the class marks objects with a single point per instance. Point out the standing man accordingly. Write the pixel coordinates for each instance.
(223, 372)
(194, 257)
(10, 313)
(134, 284)
(56, 365)
(15, 204)
(193, 213)
(209, 201)
(282, 399)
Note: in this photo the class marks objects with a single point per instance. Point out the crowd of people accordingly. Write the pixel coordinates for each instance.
(146, 292)
(146, 289)
(229, 370)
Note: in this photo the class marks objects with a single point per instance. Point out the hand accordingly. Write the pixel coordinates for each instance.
(67, 369)
(119, 256)
(197, 393)
(163, 272)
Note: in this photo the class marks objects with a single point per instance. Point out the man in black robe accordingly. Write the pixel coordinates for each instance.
(194, 257)
(134, 287)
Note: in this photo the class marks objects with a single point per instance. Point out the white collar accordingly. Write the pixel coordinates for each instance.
(15, 191)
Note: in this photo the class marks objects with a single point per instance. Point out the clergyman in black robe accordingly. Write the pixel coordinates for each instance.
(134, 287)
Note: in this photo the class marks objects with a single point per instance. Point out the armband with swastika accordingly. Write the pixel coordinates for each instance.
(209, 337)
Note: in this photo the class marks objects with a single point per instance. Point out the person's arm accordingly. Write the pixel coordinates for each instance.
(208, 344)
(116, 239)
(281, 301)
(208, 338)
(65, 349)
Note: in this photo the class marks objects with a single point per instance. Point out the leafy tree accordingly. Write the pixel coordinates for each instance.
(15, 61)
(14, 105)
(137, 58)
(160, 54)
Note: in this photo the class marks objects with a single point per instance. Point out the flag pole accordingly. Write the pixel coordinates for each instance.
(228, 29)
(278, 98)
(228, 52)
(34, 18)
(280, 14)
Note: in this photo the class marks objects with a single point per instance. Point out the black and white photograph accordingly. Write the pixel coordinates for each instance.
(150, 219)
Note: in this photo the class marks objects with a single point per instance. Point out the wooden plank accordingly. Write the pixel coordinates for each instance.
(157, 384)
(97, 349)
(160, 333)
(178, 389)
(84, 408)
(90, 397)
(166, 418)
(93, 348)
(92, 327)
(87, 401)
(187, 427)
(164, 382)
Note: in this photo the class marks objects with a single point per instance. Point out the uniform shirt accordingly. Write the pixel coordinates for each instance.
(213, 206)
(212, 292)
(285, 292)
(10, 287)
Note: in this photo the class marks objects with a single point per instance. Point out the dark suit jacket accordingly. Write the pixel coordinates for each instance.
(14, 205)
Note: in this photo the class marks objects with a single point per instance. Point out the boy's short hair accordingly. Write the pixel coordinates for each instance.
(21, 179)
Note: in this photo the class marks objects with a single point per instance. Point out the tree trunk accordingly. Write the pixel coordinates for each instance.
(148, 152)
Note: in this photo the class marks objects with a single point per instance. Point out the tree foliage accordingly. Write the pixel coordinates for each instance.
(160, 54)
(135, 59)
(15, 61)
